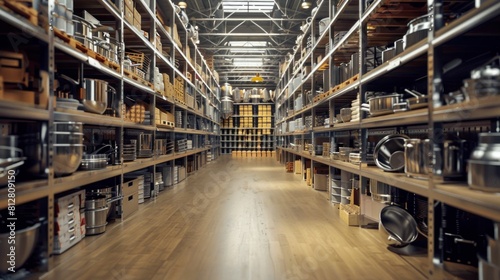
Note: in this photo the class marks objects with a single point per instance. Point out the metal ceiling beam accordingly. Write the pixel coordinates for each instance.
(250, 48)
(249, 34)
(243, 19)
(245, 55)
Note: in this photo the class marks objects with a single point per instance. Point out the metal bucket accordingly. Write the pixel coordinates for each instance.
(96, 211)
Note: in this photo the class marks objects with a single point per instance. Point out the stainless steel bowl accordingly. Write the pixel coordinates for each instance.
(95, 99)
(389, 153)
(399, 224)
(67, 158)
(26, 239)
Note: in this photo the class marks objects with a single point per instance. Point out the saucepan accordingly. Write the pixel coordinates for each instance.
(417, 101)
(382, 105)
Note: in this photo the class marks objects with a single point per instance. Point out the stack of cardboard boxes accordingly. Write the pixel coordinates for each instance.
(132, 15)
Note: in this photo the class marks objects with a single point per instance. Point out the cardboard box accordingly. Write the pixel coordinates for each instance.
(320, 182)
(137, 25)
(158, 43)
(129, 3)
(130, 204)
(129, 15)
(298, 167)
(350, 214)
(130, 187)
(137, 16)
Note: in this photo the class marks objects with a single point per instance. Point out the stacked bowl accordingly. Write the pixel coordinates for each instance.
(68, 147)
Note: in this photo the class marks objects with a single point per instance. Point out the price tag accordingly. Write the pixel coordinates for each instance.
(94, 63)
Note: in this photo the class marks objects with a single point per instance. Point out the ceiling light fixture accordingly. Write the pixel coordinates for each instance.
(257, 78)
(183, 5)
(306, 4)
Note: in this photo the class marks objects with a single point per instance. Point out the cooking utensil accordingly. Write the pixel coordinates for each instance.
(94, 161)
(399, 224)
(380, 192)
(95, 97)
(418, 29)
(418, 158)
(389, 153)
(454, 152)
(381, 105)
(484, 164)
(96, 210)
(418, 101)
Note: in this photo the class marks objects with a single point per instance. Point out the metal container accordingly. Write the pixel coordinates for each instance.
(454, 152)
(418, 30)
(94, 161)
(418, 158)
(382, 105)
(227, 107)
(95, 98)
(67, 158)
(399, 224)
(398, 46)
(96, 211)
(484, 164)
(26, 239)
(389, 153)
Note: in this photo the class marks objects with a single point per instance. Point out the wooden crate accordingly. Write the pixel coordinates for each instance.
(350, 214)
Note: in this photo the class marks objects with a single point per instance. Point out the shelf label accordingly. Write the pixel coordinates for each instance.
(393, 64)
(94, 62)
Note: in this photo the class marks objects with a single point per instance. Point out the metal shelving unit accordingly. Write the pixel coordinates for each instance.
(420, 65)
(44, 191)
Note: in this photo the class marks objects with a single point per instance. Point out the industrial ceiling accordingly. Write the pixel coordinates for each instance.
(245, 38)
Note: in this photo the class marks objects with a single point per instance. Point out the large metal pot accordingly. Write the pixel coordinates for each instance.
(380, 192)
(418, 30)
(418, 158)
(484, 164)
(96, 211)
(95, 97)
(382, 105)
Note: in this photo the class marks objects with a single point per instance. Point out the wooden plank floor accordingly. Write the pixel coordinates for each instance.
(234, 219)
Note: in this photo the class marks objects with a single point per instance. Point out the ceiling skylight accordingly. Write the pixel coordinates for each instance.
(253, 62)
(255, 6)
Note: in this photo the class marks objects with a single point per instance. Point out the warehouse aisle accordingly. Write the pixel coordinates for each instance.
(236, 218)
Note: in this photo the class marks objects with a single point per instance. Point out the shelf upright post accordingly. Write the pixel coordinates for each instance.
(435, 84)
(120, 131)
(48, 60)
